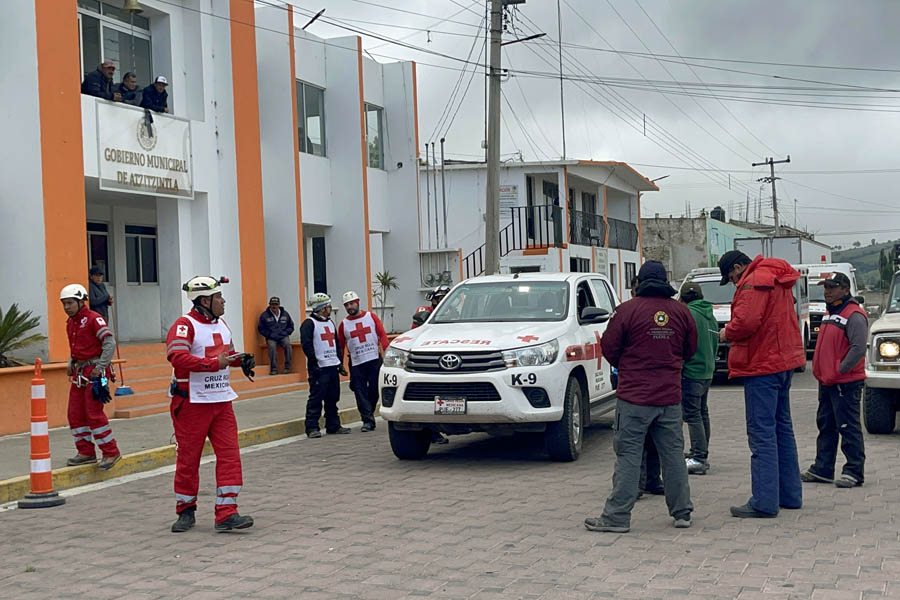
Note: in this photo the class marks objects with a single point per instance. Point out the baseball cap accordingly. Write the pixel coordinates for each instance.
(161, 79)
(728, 260)
(836, 279)
(274, 300)
(692, 289)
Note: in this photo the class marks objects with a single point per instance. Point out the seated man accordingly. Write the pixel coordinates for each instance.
(99, 83)
(276, 325)
(155, 96)
(128, 90)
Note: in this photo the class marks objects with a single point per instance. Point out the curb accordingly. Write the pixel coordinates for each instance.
(69, 477)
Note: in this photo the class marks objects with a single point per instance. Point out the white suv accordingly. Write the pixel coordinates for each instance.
(503, 354)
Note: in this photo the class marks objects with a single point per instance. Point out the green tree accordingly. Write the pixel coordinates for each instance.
(384, 282)
(15, 328)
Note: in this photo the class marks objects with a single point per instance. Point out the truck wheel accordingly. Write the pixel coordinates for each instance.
(563, 438)
(409, 444)
(880, 411)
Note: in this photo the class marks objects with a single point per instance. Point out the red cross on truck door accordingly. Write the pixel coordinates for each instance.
(360, 332)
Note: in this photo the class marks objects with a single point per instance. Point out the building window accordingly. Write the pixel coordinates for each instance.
(105, 32)
(311, 118)
(551, 193)
(579, 265)
(630, 271)
(614, 275)
(374, 137)
(140, 254)
(98, 247)
(589, 203)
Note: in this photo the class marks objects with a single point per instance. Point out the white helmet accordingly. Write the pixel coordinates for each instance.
(74, 290)
(319, 301)
(350, 296)
(203, 285)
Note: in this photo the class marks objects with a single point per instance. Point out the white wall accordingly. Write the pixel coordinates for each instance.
(22, 274)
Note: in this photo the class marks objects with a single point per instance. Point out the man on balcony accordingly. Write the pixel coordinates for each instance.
(128, 90)
(155, 96)
(99, 83)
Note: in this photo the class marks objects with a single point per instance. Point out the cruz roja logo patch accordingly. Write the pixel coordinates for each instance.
(661, 318)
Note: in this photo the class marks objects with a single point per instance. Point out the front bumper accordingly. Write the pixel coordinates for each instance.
(880, 377)
(511, 408)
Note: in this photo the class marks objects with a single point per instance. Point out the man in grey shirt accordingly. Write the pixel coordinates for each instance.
(839, 367)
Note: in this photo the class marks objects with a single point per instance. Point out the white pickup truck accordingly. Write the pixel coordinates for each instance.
(503, 354)
(882, 397)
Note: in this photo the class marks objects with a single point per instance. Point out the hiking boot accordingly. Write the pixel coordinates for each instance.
(185, 521)
(315, 433)
(81, 459)
(748, 512)
(107, 462)
(600, 524)
(234, 521)
(696, 467)
(847, 481)
(808, 476)
(367, 427)
(339, 431)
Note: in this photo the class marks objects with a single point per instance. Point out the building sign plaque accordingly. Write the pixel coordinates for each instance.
(142, 154)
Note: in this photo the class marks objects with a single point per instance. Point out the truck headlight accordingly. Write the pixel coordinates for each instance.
(532, 356)
(889, 349)
(395, 357)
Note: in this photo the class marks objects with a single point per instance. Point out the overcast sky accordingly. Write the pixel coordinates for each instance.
(699, 132)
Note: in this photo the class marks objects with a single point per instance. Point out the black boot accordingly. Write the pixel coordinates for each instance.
(185, 521)
(235, 521)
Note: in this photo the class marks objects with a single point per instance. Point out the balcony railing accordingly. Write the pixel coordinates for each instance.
(586, 229)
(623, 235)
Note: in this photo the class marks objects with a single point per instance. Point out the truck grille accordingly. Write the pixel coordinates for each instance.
(471, 362)
(476, 391)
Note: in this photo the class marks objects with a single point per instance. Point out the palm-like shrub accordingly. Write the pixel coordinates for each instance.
(15, 333)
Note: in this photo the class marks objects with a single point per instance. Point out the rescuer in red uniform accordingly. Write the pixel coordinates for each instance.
(423, 312)
(92, 346)
(200, 349)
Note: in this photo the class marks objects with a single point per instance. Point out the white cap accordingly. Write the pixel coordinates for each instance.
(161, 79)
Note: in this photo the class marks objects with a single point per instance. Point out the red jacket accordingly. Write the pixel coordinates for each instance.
(832, 346)
(764, 331)
(647, 339)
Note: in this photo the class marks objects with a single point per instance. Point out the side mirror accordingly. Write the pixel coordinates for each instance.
(860, 299)
(592, 314)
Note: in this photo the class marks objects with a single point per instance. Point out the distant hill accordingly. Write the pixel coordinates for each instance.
(865, 259)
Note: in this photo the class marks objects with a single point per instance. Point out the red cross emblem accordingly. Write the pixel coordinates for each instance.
(217, 348)
(528, 338)
(328, 336)
(588, 351)
(361, 332)
(402, 339)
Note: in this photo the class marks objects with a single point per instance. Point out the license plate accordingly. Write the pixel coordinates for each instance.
(449, 405)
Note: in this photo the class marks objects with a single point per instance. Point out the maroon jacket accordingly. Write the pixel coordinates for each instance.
(647, 340)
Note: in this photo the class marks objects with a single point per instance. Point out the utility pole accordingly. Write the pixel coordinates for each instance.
(562, 101)
(492, 206)
(771, 179)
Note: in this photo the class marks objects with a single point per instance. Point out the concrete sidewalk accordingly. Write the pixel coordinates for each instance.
(155, 431)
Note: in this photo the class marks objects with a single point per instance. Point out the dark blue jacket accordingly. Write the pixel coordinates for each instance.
(154, 100)
(96, 84)
(132, 97)
(275, 329)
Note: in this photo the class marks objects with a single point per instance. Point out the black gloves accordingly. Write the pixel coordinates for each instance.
(247, 364)
(342, 370)
(100, 389)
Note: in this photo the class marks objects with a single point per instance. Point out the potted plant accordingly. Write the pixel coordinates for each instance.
(384, 282)
(15, 328)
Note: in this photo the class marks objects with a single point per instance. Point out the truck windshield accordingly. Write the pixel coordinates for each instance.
(816, 292)
(715, 293)
(894, 296)
(505, 301)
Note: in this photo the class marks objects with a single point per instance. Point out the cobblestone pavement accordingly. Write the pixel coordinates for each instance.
(340, 517)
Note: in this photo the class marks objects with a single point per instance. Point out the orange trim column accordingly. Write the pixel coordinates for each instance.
(301, 275)
(365, 178)
(62, 163)
(248, 166)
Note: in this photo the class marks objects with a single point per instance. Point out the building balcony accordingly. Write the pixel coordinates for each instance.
(586, 229)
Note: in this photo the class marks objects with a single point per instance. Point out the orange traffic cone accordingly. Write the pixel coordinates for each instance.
(42, 494)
